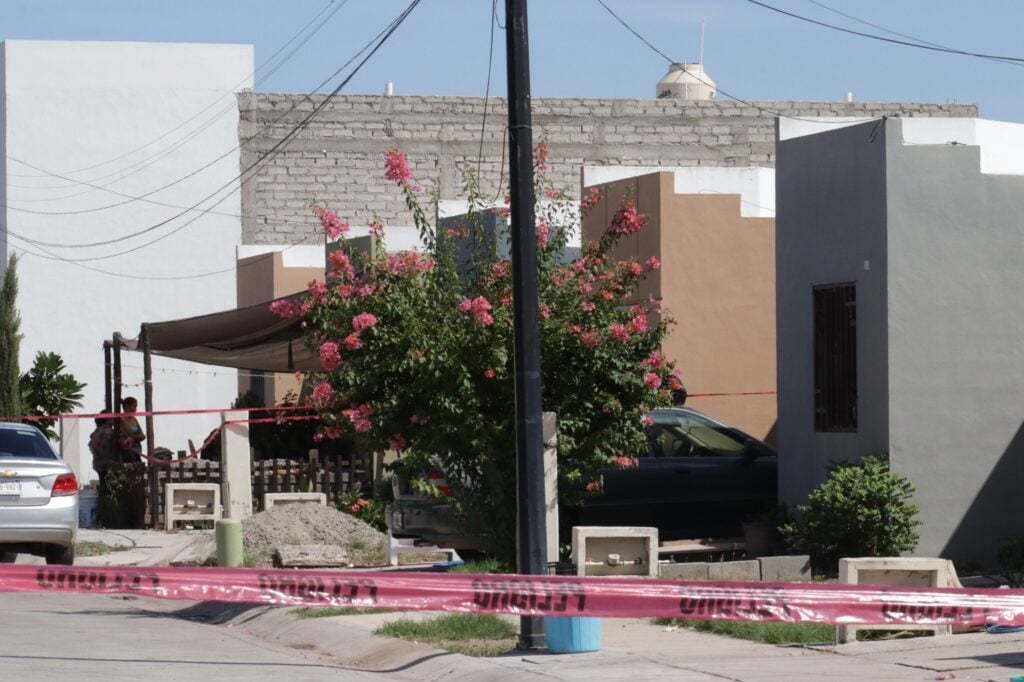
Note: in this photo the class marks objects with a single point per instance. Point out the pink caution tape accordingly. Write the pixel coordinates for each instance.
(537, 595)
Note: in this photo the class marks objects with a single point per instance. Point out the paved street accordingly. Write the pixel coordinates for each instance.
(86, 637)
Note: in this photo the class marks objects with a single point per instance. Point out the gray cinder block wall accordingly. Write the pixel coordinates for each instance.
(337, 160)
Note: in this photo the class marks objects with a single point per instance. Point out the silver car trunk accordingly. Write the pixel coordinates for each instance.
(27, 482)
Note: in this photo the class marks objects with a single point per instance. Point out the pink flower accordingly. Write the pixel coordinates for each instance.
(408, 263)
(618, 331)
(397, 442)
(345, 290)
(590, 338)
(652, 381)
(586, 287)
(653, 263)
(322, 393)
(318, 291)
(542, 235)
(416, 419)
(635, 268)
(341, 264)
(627, 220)
(540, 156)
(489, 373)
(330, 358)
(588, 306)
(648, 420)
(397, 166)
(545, 311)
(284, 308)
(332, 224)
(376, 228)
(352, 341)
(638, 324)
(480, 307)
(594, 486)
(592, 196)
(655, 360)
(366, 290)
(363, 321)
(359, 415)
(627, 462)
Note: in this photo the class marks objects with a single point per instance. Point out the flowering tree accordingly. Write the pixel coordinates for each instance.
(416, 350)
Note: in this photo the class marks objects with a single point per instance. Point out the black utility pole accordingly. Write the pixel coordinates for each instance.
(532, 554)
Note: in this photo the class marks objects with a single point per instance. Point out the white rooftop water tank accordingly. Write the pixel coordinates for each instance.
(686, 81)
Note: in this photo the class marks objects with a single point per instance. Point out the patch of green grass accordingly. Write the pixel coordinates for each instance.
(766, 633)
(331, 611)
(91, 548)
(363, 553)
(484, 565)
(473, 634)
(248, 561)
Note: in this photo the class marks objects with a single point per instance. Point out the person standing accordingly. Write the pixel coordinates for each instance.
(131, 432)
(101, 445)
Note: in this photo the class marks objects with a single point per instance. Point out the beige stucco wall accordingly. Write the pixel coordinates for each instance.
(263, 278)
(717, 280)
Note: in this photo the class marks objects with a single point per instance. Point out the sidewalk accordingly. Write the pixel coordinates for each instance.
(631, 648)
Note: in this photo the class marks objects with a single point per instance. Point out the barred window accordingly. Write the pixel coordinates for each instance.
(835, 357)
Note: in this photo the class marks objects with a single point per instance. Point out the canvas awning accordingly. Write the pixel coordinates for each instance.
(250, 338)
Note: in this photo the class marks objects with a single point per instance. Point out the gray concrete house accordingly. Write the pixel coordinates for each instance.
(900, 298)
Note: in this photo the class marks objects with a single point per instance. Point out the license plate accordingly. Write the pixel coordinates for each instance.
(10, 487)
(397, 522)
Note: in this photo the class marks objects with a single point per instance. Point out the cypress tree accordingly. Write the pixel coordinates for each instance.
(10, 342)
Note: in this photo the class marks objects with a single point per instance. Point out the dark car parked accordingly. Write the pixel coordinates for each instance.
(698, 478)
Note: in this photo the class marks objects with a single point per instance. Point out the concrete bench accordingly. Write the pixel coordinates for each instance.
(190, 502)
(895, 571)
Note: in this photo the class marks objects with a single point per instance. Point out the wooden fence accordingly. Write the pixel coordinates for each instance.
(330, 475)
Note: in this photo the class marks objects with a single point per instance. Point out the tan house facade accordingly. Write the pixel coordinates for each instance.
(713, 231)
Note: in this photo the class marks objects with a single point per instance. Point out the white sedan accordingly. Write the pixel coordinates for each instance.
(38, 497)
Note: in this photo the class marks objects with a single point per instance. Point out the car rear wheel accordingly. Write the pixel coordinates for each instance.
(63, 556)
(8, 557)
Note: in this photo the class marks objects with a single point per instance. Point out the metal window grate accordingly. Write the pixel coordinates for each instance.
(835, 358)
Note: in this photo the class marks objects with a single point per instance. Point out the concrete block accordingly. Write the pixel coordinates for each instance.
(785, 569)
(191, 502)
(738, 571)
(294, 556)
(896, 571)
(615, 550)
(272, 499)
(694, 570)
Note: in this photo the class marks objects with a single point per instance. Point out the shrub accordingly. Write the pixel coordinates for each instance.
(863, 509)
(1011, 560)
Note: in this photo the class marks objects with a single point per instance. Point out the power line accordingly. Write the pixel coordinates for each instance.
(267, 156)
(896, 33)
(716, 88)
(894, 41)
(132, 198)
(143, 162)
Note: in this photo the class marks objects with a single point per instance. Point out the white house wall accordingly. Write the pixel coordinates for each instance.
(130, 118)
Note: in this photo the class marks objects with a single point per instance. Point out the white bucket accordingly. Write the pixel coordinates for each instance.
(88, 502)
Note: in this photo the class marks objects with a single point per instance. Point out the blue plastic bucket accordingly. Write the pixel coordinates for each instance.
(88, 502)
(572, 634)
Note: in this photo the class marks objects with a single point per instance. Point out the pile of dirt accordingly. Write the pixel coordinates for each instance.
(311, 524)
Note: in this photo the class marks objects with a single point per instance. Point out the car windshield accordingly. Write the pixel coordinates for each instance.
(685, 434)
(18, 443)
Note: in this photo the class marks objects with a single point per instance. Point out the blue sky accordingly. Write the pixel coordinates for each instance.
(579, 50)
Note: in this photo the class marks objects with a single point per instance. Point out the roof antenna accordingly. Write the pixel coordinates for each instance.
(701, 60)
